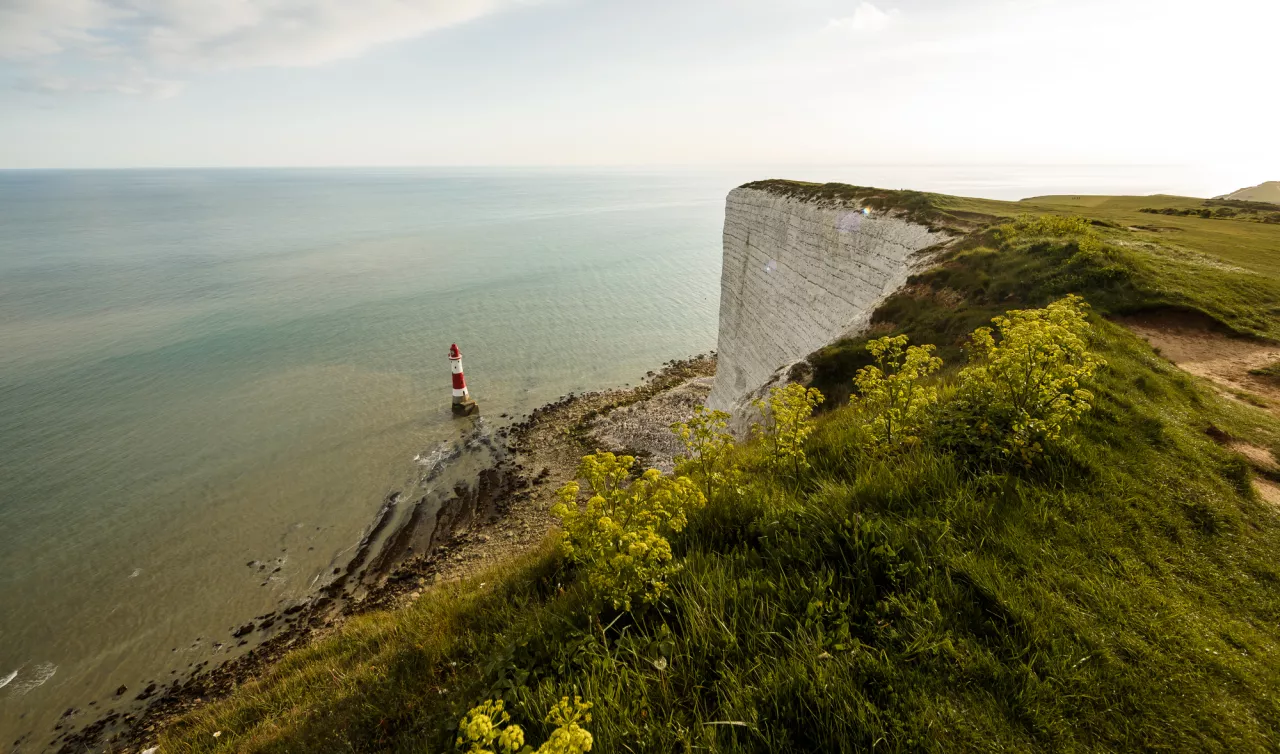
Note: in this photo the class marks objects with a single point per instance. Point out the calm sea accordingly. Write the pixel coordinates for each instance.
(204, 368)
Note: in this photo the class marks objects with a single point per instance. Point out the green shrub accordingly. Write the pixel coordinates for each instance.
(894, 402)
(487, 729)
(706, 442)
(788, 421)
(619, 537)
(1024, 385)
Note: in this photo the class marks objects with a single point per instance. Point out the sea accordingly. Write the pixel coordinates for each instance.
(203, 371)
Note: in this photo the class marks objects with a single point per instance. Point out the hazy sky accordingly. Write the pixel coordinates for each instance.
(98, 83)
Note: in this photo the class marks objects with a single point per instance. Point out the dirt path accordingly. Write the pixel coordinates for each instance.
(1226, 361)
(1220, 358)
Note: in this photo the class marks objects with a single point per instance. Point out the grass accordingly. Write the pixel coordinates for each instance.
(1121, 595)
(983, 276)
(1270, 371)
(1251, 246)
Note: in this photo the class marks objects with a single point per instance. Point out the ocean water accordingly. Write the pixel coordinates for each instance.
(200, 369)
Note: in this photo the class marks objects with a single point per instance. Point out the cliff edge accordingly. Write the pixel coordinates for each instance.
(802, 269)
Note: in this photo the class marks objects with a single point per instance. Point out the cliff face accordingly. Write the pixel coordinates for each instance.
(798, 274)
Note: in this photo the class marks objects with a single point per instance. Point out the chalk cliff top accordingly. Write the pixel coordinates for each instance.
(917, 206)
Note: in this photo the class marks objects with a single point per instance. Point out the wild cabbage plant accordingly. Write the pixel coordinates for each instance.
(788, 421)
(894, 400)
(1030, 226)
(619, 537)
(706, 442)
(1025, 383)
(487, 729)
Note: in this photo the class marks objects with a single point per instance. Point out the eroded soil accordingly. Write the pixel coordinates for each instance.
(1221, 358)
(1227, 361)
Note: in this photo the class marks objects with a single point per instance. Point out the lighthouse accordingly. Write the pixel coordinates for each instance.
(462, 403)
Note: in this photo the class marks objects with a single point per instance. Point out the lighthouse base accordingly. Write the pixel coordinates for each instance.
(466, 407)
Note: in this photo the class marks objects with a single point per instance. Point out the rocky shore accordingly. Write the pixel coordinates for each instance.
(497, 508)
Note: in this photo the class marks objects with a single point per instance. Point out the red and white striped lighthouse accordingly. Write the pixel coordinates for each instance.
(462, 403)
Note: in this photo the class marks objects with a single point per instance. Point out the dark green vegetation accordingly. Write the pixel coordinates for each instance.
(1121, 594)
(1224, 210)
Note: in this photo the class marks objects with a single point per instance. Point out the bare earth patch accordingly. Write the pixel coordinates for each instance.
(1268, 491)
(1261, 458)
(1226, 361)
(1220, 358)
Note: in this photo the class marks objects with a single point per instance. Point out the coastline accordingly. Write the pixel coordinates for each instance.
(483, 499)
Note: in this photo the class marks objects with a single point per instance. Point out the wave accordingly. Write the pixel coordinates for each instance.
(39, 675)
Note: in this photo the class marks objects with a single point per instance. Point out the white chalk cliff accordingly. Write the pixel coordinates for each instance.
(798, 274)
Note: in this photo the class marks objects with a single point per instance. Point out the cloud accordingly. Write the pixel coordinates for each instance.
(134, 83)
(866, 19)
(246, 33)
(178, 37)
(34, 28)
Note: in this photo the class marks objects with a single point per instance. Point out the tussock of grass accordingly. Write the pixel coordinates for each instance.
(1121, 594)
(1270, 371)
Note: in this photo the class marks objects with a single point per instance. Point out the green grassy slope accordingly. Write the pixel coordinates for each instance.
(1263, 192)
(1122, 595)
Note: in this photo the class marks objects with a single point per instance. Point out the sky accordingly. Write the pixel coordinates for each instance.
(166, 83)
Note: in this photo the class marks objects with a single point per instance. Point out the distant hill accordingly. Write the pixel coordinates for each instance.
(1263, 192)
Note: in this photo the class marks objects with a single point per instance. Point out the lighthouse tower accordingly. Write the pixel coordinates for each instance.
(462, 403)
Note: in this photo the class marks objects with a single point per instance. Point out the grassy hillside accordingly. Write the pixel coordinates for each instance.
(1121, 593)
(1263, 192)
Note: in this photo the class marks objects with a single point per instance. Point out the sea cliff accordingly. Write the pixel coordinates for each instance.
(799, 272)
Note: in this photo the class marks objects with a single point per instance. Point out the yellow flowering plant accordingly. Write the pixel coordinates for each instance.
(1032, 226)
(487, 729)
(569, 737)
(706, 442)
(894, 401)
(619, 537)
(788, 422)
(1028, 374)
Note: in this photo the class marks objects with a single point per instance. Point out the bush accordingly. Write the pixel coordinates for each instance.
(486, 729)
(619, 537)
(893, 401)
(788, 421)
(1024, 386)
(1031, 226)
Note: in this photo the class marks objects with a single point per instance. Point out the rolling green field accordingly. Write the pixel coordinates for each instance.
(1251, 246)
(1121, 593)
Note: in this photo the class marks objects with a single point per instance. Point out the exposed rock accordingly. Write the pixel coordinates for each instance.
(797, 275)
